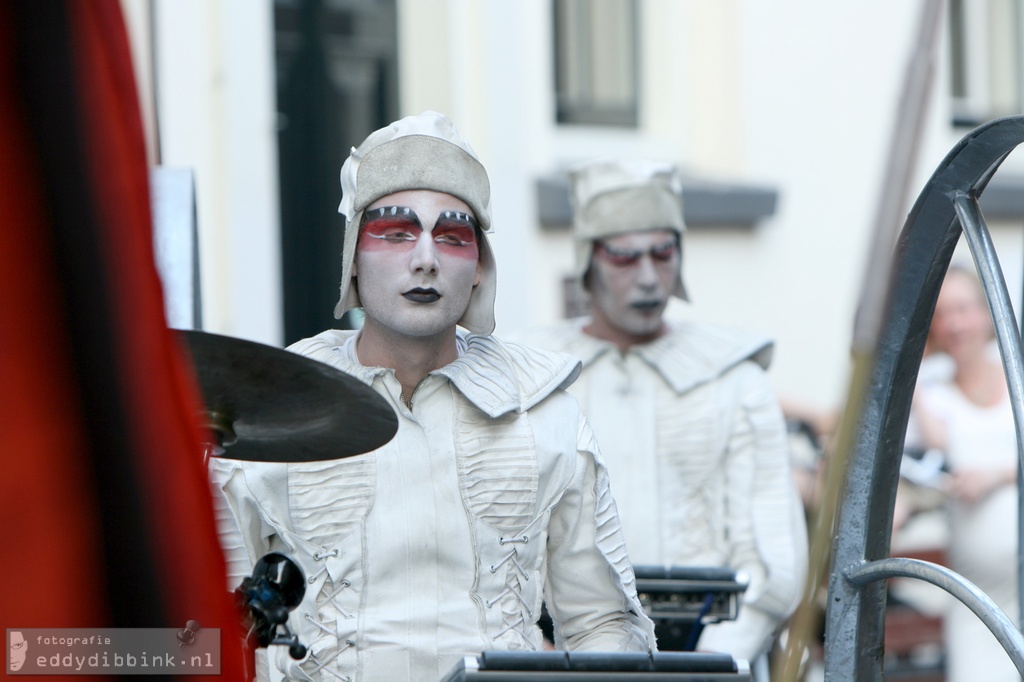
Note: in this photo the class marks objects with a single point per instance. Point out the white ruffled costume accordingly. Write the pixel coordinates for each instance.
(689, 424)
(696, 448)
(491, 497)
(443, 542)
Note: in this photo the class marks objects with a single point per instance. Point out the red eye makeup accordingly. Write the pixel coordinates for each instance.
(662, 253)
(454, 228)
(391, 227)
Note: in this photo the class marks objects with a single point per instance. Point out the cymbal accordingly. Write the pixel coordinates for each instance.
(266, 404)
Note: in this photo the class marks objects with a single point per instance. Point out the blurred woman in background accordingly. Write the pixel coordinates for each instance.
(969, 418)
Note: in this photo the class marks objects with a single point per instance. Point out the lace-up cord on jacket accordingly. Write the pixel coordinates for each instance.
(513, 621)
(328, 599)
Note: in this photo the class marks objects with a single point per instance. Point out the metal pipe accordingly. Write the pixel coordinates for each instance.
(955, 584)
(1008, 335)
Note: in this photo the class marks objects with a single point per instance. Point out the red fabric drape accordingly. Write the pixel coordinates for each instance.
(49, 515)
(54, 499)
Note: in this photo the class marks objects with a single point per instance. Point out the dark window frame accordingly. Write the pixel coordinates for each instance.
(579, 99)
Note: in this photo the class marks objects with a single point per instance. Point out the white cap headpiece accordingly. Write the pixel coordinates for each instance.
(617, 196)
(418, 152)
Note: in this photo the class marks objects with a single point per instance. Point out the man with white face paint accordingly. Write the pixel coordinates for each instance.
(684, 414)
(491, 497)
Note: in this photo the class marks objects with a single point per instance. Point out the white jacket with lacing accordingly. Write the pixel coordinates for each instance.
(697, 450)
(491, 497)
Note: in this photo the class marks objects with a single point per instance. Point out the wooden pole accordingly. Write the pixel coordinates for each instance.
(891, 212)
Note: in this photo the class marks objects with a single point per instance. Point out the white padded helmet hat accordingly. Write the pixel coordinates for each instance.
(618, 196)
(418, 152)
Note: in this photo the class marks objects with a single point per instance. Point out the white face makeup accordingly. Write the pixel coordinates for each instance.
(631, 278)
(417, 261)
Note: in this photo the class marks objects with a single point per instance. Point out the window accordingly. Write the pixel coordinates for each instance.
(596, 62)
(986, 53)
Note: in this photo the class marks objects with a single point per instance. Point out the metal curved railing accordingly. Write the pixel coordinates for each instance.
(947, 206)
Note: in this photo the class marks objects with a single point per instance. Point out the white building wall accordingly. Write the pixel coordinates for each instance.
(213, 71)
(798, 95)
(821, 85)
